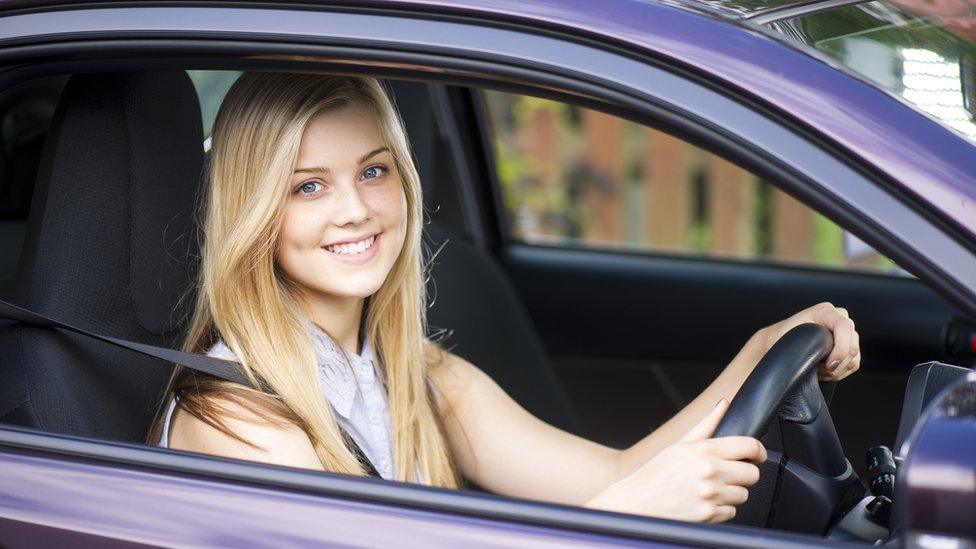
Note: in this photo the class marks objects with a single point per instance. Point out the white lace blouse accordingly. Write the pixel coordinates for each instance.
(353, 388)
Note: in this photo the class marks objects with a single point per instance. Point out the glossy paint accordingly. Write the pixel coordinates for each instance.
(914, 152)
(938, 493)
(60, 500)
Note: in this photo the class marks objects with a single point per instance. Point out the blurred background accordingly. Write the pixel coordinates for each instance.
(572, 175)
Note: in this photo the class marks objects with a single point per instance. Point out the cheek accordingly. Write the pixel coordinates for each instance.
(399, 205)
(298, 230)
(390, 202)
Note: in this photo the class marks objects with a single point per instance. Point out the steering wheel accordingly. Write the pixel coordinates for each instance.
(809, 483)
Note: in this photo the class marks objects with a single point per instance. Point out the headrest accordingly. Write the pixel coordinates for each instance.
(110, 243)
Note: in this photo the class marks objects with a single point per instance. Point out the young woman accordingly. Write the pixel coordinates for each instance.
(312, 278)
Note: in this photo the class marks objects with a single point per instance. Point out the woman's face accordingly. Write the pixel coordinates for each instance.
(346, 214)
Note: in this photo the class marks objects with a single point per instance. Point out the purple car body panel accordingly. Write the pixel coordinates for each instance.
(142, 507)
(859, 117)
(937, 492)
(152, 508)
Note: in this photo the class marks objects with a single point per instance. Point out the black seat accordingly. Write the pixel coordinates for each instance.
(486, 323)
(109, 248)
(475, 302)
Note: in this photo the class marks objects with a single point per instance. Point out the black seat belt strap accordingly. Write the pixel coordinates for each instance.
(223, 369)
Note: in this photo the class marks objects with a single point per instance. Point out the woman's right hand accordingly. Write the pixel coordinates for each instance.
(695, 479)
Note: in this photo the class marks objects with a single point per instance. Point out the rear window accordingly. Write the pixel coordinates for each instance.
(922, 51)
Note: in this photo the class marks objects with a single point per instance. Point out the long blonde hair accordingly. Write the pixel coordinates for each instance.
(245, 300)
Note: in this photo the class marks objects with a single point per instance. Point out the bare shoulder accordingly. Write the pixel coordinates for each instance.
(275, 442)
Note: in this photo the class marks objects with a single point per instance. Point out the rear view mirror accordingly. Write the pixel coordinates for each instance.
(924, 383)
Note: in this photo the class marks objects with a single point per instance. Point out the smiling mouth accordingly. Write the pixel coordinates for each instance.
(352, 248)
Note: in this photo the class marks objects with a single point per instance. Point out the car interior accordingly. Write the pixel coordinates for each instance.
(101, 182)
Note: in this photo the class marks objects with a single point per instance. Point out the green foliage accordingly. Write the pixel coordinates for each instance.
(211, 88)
(828, 241)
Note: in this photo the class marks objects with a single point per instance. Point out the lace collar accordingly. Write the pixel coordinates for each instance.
(342, 373)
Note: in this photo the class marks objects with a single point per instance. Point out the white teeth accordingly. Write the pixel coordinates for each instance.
(352, 248)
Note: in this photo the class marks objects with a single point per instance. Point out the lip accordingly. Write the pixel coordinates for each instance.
(350, 240)
(356, 259)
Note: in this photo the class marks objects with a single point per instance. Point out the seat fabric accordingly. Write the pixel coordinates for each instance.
(483, 320)
(111, 248)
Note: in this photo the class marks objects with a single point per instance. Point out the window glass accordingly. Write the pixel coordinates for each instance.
(211, 88)
(575, 176)
(921, 50)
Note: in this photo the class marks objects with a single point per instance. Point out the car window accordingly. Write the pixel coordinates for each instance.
(211, 88)
(575, 176)
(923, 51)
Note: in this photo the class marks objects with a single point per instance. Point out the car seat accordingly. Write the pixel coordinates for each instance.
(475, 308)
(110, 248)
(482, 319)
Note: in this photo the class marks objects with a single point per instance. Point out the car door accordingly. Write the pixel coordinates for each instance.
(417, 46)
(59, 491)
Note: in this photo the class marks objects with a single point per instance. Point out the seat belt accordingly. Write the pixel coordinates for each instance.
(223, 369)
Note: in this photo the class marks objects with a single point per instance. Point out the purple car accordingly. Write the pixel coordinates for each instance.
(621, 193)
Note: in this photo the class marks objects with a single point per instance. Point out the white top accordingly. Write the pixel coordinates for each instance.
(353, 389)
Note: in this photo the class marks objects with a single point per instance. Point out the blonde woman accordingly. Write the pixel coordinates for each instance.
(312, 279)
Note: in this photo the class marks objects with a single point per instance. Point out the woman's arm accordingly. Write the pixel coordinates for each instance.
(843, 360)
(725, 386)
(503, 448)
(274, 443)
(506, 450)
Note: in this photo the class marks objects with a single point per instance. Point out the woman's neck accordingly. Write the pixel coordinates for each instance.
(339, 317)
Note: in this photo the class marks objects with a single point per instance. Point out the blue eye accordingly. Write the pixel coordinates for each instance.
(308, 188)
(373, 172)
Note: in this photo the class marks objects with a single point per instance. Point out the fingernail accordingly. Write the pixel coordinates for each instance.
(833, 365)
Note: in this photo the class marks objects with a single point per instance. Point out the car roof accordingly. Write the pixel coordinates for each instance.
(749, 9)
(720, 41)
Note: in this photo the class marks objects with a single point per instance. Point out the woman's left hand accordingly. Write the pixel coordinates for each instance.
(844, 359)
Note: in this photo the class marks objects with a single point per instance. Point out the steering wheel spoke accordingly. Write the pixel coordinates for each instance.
(810, 482)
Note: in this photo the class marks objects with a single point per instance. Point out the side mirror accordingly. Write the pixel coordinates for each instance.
(935, 493)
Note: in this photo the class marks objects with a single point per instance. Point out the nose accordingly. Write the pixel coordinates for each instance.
(351, 209)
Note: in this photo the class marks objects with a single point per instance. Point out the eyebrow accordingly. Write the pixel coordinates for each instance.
(364, 158)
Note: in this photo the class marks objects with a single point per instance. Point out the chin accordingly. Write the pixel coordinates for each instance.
(359, 293)
(360, 290)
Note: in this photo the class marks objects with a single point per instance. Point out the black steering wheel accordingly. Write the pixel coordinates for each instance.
(807, 483)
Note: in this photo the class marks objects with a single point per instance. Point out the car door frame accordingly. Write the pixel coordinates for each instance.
(848, 190)
(72, 38)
